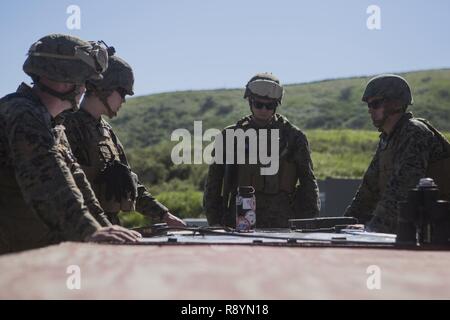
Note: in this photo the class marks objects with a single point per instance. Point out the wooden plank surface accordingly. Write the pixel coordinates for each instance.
(223, 272)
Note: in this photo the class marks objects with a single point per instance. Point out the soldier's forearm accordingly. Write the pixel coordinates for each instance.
(148, 205)
(89, 197)
(72, 219)
(309, 189)
(64, 208)
(308, 204)
(362, 206)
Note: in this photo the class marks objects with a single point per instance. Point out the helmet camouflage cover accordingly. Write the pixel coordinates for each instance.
(66, 58)
(389, 86)
(264, 85)
(118, 75)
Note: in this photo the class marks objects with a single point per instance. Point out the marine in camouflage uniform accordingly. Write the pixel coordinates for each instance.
(44, 195)
(290, 193)
(409, 149)
(100, 152)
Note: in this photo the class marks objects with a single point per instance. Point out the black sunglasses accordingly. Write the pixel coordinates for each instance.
(376, 104)
(268, 106)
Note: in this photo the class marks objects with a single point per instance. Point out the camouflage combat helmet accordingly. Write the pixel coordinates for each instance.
(389, 86)
(264, 85)
(65, 58)
(119, 75)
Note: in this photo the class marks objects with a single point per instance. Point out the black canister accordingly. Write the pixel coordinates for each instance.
(423, 218)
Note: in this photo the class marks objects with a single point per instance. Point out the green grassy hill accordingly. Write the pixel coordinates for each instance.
(328, 104)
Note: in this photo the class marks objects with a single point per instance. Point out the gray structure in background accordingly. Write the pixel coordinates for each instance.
(336, 195)
(196, 222)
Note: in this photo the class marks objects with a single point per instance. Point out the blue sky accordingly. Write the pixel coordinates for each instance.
(200, 44)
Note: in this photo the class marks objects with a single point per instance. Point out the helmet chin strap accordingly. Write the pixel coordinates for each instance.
(67, 96)
(103, 96)
(387, 112)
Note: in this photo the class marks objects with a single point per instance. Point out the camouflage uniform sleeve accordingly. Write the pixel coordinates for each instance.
(307, 202)
(147, 204)
(367, 195)
(79, 175)
(212, 196)
(45, 179)
(89, 197)
(411, 161)
(77, 143)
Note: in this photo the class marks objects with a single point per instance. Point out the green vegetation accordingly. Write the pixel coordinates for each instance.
(341, 153)
(329, 104)
(327, 111)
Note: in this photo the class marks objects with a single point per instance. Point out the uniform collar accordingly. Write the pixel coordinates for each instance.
(400, 124)
(270, 125)
(27, 91)
(88, 117)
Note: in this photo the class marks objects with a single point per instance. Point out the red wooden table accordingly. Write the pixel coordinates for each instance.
(223, 272)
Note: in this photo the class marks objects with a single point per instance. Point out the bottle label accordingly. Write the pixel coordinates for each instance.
(245, 213)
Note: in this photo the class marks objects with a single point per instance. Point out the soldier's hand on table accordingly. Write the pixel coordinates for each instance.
(173, 221)
(114, 234)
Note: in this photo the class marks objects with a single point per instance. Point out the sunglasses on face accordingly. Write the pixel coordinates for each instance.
(376, 104)
(269, 106)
